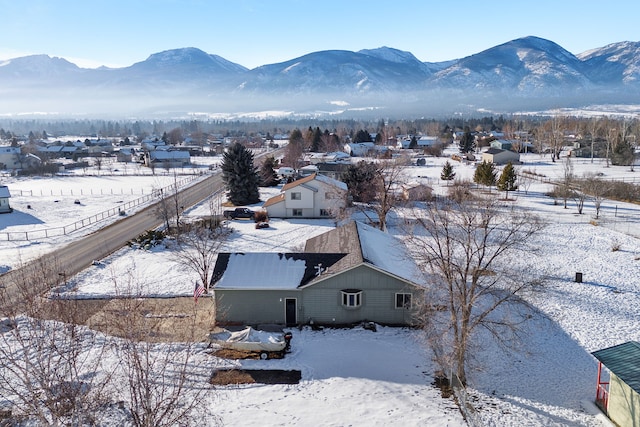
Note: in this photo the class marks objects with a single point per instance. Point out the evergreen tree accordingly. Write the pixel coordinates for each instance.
(622, 154)
(240, 176)
(359, 178)
(467, 142)
(268, 175)
(485, 174)
(447, 173)
(414, 142)
(507, 180)
(362, 136)
(316, 140)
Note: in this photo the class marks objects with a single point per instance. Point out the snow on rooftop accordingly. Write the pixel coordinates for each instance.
(331, 181)
(388, 253)
(271, 271)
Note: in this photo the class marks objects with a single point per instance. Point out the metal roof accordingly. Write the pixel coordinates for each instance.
(623, 360)
(4, 192)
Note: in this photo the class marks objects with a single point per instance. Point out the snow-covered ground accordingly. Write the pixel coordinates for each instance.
(359, 377)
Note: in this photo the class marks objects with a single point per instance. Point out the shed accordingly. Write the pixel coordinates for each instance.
(351, 274)
(4, 199)
(500, 157)
(619, 397)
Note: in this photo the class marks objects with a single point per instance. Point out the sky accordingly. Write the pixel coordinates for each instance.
(119, 33)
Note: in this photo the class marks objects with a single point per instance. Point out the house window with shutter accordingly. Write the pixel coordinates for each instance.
(351, 298)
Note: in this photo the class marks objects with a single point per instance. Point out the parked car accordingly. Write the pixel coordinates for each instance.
(239, 213)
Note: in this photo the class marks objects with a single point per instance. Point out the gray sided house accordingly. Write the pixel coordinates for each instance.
(167, 159)
(351, 274)
(619, 397)
(4, 199)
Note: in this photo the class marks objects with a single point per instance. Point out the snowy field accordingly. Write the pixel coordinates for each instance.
(361, 378)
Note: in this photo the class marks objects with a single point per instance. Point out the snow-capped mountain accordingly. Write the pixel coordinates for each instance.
(613, 64)
(34, 67)
(528, 66)
(523, 72)
(337, 71)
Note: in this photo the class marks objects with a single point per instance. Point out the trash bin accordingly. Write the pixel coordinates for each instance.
(578, 277)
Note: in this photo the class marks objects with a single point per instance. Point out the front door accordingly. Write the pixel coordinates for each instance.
(290, 311)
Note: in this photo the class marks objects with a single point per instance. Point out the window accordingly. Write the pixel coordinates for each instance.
(296, 196)
(403, 300)
(297, 212)
(329, 195)
(324, 212)
(351, 298)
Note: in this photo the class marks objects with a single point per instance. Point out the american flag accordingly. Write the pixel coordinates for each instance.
(199, 290)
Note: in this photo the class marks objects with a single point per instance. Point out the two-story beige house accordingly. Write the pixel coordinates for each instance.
(314, 196)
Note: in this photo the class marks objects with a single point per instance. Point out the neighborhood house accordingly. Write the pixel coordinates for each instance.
(167, 159)
(351, 274)
(314, 196)
(4, 199)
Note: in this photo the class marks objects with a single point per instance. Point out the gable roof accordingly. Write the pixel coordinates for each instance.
(338, 250)
(274, 200)
(269, 270)
(494, 150)
(297, 182)
(624, 361)
(302, 182)
(4, 192)
(317, 177)
(367, 245)
(169, 155)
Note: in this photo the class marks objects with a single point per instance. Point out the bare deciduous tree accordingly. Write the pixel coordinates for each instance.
(163, 385)
(381, 193)
(594, 128)
(565, 189)
(596, 188)
(554, 131)
(199, 244)
(170, 209)
(51, 367)
(468, 247)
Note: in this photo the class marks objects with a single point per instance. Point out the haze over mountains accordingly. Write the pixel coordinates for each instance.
(529, 73)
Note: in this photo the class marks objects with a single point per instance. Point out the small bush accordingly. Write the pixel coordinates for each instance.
(460, 191)
(261, 216)
(615, 245)
(148, 239)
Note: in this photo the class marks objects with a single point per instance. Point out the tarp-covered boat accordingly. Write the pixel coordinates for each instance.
(252, 340)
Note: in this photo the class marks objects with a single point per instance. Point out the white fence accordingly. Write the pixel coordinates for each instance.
(101, 216)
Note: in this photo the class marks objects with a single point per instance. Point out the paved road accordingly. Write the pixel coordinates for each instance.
(54, 268)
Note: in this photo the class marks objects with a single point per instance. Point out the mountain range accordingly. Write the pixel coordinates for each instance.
(523, 74)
